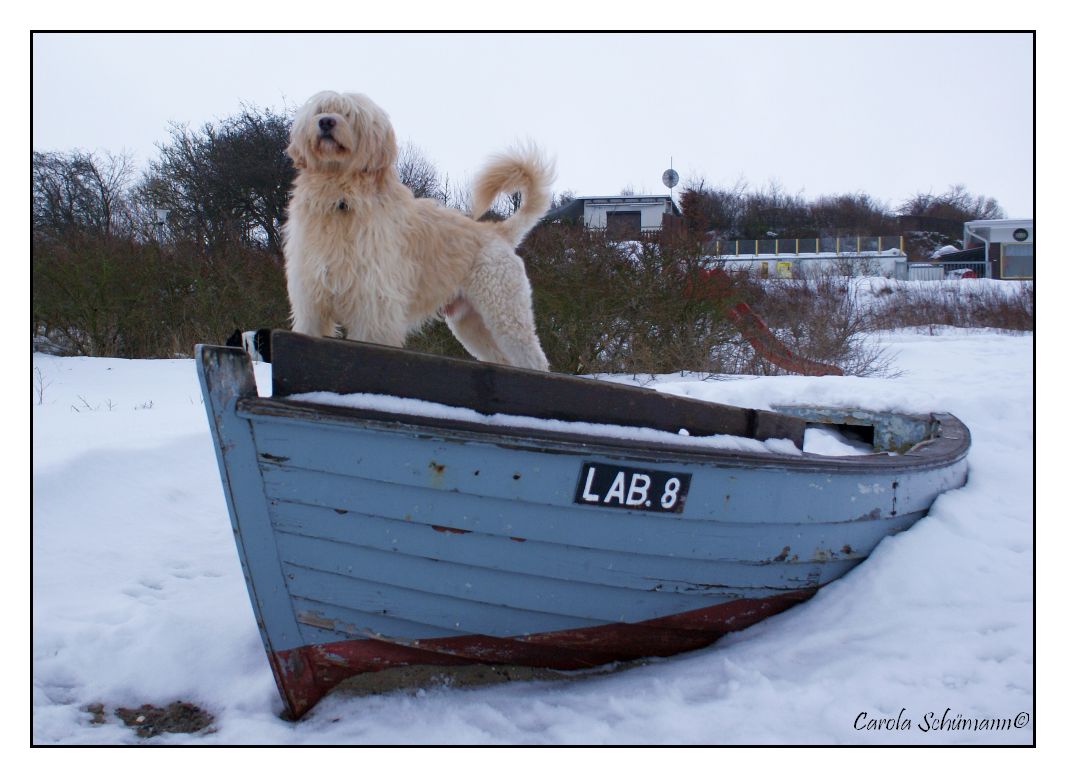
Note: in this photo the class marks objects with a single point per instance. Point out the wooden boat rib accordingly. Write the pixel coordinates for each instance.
(372, 540)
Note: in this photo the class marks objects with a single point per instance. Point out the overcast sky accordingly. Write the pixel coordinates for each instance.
(887, 114)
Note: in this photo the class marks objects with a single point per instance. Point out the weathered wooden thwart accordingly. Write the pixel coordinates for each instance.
(373, 540)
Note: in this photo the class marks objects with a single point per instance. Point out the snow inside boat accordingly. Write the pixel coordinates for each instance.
(374, 537)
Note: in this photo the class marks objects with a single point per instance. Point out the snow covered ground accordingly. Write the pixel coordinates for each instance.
(138, 595)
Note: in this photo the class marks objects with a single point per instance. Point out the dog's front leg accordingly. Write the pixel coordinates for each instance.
(307, 320)
(382, 324)
(380, 338)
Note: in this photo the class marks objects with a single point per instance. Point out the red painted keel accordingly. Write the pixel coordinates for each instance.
(306, 674)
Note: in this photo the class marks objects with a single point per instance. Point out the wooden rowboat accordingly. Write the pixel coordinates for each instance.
(371, 539)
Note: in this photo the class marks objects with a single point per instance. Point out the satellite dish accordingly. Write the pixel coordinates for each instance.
(670, 178)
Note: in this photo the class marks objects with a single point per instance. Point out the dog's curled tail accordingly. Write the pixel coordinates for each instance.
(522, 169)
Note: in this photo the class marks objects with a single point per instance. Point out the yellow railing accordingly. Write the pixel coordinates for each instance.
(840, 246)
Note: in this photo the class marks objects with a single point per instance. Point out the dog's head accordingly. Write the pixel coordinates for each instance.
(342, 133)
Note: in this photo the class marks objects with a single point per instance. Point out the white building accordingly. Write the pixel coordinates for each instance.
(1009, 246)
(623, 215)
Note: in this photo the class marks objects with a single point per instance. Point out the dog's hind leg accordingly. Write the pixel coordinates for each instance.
(469, 329)
(500, 293)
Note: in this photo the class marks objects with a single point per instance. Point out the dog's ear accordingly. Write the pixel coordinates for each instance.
(376, 148)
(297, 156)
(385, 150)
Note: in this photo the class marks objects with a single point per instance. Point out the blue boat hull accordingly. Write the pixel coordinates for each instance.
(372, 542)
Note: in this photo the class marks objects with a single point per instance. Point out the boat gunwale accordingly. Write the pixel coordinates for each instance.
(949, 443)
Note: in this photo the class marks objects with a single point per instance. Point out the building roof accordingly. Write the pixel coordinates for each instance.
(575, 209)
(1000, 223)
(570, 211)
(624, 198)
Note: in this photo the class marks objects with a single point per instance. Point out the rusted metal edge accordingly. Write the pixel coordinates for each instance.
(307, 673)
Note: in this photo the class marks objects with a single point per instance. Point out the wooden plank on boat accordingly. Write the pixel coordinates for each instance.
(306, 364)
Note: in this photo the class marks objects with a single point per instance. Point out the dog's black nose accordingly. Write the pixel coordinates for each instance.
(327, 123)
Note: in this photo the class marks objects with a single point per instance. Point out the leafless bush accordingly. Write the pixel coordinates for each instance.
(821, 318)
(602, 306)
(642, 307)
(1007, 306)
(116, 297)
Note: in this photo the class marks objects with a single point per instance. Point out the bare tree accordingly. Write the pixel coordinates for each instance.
(81, 191)
(559, 199)
(456, 195)
(955, 205)
(741, 213)
(706, 208)
(227, 183)
(932, 220)
(418, 174)
(852, 214)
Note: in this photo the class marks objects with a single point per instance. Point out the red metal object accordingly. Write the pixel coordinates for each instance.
(714, 284)
(304, 675)
(766, 344)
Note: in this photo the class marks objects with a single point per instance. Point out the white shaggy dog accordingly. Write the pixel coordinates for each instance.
(362, 252)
